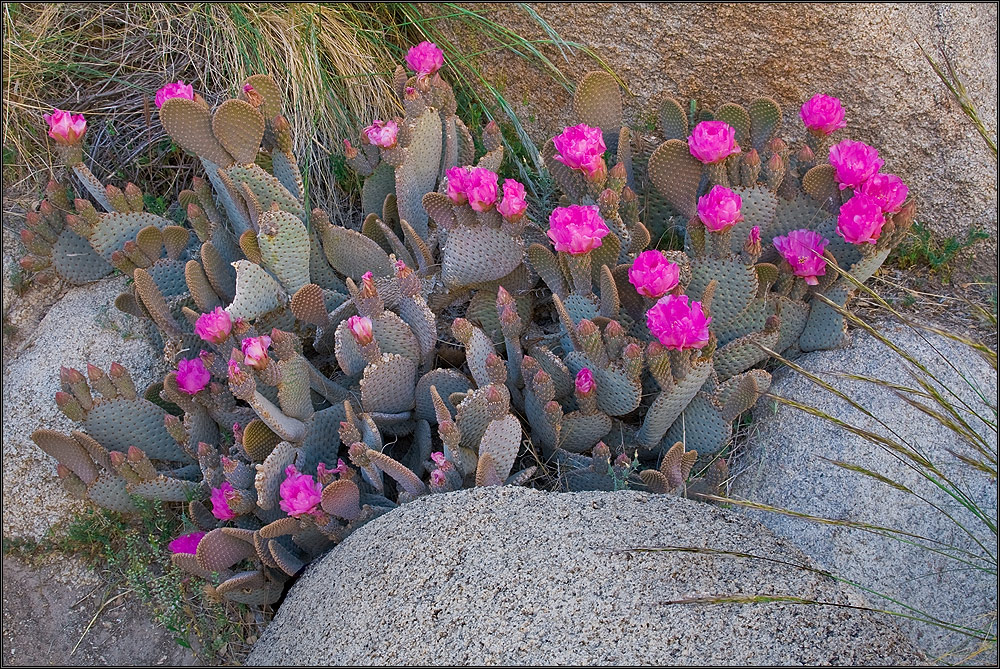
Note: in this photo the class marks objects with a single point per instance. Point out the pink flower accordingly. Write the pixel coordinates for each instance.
(214, 326)
(425, 58)
(192, 377)
(456, 184)
(361, 329)
(220, 501)
(174, 90)
(382, 133)
(585, 381)
(438, 477)
(653, 275)
(803, 249)
(255, 351)
(186, 543)
(439, 459)
(582, 148)
(65, 127)
(822, 114)
(854, 162)
(300, 493)
(712, 142)
(860, 220)
(719, 209)
(481, 188)
(513, 204)
(576, 229)
(678, 323)
(886, 190)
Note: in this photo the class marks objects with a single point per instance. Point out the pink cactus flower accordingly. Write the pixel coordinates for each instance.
(822, 114)
(854, 162)
(481, 188)
(713, 141)
(382, 133)
(65, 127)
(255, 351)
(456, 184)
(887, 190)
(192, 377)
(754, 236)
(300, 493)
(438, 478)
(678, 323)
(220, 501)
(803, 249)
(719, 209)
(513, 204)
(585, 381)
(214, 326)
(576, 229)
(582, 148)
(653, 275)
(425, 58)
(174, 90)
(340, 468)
(361, 329)
(860, 220)
(439, 459)
(186, 543)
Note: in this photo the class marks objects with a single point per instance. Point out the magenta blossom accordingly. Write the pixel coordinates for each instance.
(439, 459)
(255, 351)
(220, 501)
(653, 275)
(803, 249)
(513, 204)
(719, 209)
(456, 184)
(582, 148)
(860, 220)
(712, 142)
(438, 478)
(576, 229)
(585, 381)
(822, 114)
(192, 377)
(382, 133)
(425, 58)
(481, 188)
(214, 326)
(174, 90)
(300, 493)
(678, 323)
(65, 127)
(186, 543)
(854, 162)
(361, 329)
(886, 190)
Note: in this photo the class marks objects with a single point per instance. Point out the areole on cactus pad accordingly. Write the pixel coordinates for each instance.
(462, 336)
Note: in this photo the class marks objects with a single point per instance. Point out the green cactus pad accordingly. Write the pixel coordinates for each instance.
(421, 319)
(377, 186)
(293, 389)
(409, 481)
(271, 473)
(118, 424)
(200, 288)
(759, 206)
(598, 103)
(676, 174)
(219, 550)
(189, 123)
(570, 181)
(669, 404)
(580, 432)
(737, 117)
(256, 292)
(188, 562)
(562, 378)
(68, 451)
(387, 386)
(341, 498)
(286, 170)
(239, 128)
(98, 453)
(794, 315)
(167, 489)
(419, 171)
(352, 254)
(543, 261)
(740, 393)
(447, 381)
(266, 87)
(284, 247)
(701, 427)
(765, 117)
(797, 214)
(482, 311)
(737, 286)
(251, 588)
(168, 275)
(476, 255)
(617, 394)
(220, 274)
(266, 188)
(743, 353)
(109, 491)
(440, 208)
(114, 229)
(501, 442)
(472, 418)
(673, 120)
(75, 260)
(284, 558)
(821, 184)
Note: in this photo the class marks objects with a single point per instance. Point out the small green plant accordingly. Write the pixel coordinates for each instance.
(923, 249)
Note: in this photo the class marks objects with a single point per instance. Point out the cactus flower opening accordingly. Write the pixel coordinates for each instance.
(887, 190)
(300, 493)
(438, 458)
(822, 114)
(582, 148)
(425, 58)
(64, 127)
(192, 377)
(456, 184)
(678, 323)
(860, 220)
(382, 133)
(177, 89)
(186, 543)
(361, 329)
(585, 381)
(220, 501)
(513, 205)
(576, 229)
(438, 478)
(214, 326)
(653, 275)
(854, 162)
(255, 351)
(712, 142)
(720, 209)
(481, 188)
(803, 249)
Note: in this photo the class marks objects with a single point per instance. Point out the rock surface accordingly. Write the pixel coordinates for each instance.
(84, 326)
(787, 464)
(519, 576)
(864, 54)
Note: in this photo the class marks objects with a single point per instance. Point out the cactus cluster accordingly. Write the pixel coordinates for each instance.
(323, 375)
